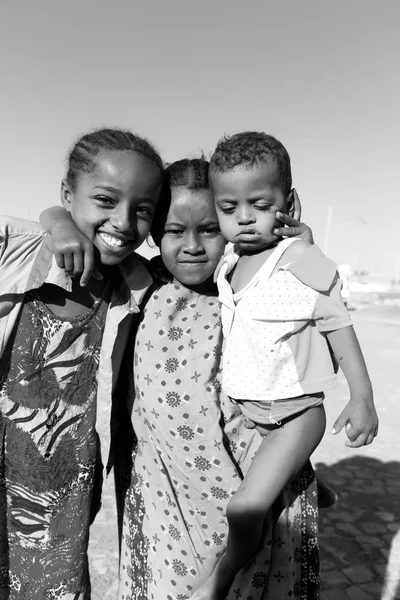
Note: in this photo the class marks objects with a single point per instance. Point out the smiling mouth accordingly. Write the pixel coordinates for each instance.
(113, 241)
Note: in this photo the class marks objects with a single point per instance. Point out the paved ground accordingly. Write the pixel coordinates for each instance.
(360, 536)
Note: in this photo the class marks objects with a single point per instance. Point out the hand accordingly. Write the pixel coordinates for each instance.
(294, 227)
(74, 252)
(360, 421)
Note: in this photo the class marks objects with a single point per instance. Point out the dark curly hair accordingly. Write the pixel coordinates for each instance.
(82, 158)
(190, 173)
(251, 148)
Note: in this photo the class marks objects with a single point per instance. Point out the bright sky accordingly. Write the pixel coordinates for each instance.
(321, 76)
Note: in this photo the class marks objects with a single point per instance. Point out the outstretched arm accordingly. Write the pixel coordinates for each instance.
(72, 249)
(359, 417)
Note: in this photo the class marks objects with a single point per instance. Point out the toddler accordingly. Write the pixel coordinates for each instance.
(281, 306)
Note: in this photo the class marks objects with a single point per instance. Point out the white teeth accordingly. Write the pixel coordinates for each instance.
(112, 241)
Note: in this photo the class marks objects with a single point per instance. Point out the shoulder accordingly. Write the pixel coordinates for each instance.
(312, 267)
(25, 255)
(296, 250)
(19, 237)
(10, 226)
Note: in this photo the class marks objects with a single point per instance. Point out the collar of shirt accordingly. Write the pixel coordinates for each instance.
(130, 290)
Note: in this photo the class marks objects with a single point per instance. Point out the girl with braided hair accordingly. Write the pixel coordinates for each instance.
(61, 346)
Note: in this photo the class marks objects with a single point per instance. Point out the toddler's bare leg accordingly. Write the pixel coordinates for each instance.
(281, 455)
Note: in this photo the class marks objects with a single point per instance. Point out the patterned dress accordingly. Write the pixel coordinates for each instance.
(48, 458)
(187, 464)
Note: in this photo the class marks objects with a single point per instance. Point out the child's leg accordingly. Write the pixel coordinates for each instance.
(282, 453)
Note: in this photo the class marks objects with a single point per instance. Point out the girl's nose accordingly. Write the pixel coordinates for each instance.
(192, 243)
(123, 219)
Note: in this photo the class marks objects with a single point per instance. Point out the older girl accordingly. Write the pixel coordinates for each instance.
(61, 346)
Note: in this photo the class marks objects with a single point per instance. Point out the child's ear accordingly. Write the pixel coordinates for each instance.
(66, 195)
(294, 205)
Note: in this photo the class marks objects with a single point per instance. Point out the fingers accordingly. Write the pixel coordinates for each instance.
(357, 436)
(87, 266)
(339, 424)
(287, 219)
(59, 256)
(69, 263)
(296, 205)
(287, 231)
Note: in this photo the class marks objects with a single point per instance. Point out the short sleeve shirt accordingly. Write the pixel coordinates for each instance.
(273, 327)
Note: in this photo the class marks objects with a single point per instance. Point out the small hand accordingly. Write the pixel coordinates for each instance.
(360, 420)
(74, 252)
(294, 227)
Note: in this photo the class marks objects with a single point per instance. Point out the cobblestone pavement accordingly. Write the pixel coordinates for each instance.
(360, 535)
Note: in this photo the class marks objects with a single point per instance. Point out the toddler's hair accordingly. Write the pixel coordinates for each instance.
(190, 173)
(251, 148)
(82, 158)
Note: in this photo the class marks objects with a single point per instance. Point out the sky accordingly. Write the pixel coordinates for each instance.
(321, 76)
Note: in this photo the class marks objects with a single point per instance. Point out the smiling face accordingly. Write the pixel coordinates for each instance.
(246, 202)
(113, 205)
(192, 243)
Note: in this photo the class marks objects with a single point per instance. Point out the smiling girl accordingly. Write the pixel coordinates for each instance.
(61, 345)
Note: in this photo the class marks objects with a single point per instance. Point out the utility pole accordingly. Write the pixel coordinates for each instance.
(327, 230)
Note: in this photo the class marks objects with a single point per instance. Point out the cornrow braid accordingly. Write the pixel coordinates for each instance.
(189, 173)
(83, 155)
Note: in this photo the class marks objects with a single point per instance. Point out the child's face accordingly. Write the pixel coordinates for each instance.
(192, 243)
(246, 202)
(113, 205)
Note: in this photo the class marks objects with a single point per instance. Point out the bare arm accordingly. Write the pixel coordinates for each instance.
(72, 250)
(359, 416)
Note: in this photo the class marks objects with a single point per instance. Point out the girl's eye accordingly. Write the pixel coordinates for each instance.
(211, 231)
(173, 232)
(145, 212)
(105, 199)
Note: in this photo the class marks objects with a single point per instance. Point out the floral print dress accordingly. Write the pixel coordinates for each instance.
(187, 464)
(48, 453)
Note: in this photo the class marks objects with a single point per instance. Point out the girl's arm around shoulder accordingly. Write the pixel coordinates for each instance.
(25, 255)
(18, 238)
(73, 251)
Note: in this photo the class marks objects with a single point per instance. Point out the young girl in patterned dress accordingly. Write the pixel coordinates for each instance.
(60, 346)
(187, 463)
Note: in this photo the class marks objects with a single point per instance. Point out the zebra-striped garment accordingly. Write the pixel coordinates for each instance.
(48, 452)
